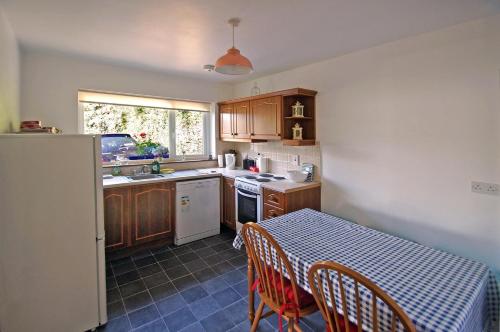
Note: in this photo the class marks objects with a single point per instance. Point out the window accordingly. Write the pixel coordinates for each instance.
(181, 126)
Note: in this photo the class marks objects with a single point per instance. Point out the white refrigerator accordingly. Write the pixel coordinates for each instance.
(52, 264)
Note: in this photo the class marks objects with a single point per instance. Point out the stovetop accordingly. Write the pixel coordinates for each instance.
(254, 182)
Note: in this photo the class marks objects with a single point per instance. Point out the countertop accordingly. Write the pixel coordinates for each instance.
(284, 186)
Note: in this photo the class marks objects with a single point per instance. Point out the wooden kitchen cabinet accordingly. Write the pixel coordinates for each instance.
(117, 217)
(228, 203)
(266, 118)
(226, 121)
(138, 214)
(152, 212)
(241, 120)
(277, 203)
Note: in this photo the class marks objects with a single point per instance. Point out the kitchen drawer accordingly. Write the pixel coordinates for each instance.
(274, 198)
(272, 211)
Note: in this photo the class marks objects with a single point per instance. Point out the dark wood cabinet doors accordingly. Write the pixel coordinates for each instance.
(138, 214)
(266, 118)
(229, 203)
(117, 217)
(152, 210)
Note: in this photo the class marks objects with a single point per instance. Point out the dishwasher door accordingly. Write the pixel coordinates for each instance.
(197, 210)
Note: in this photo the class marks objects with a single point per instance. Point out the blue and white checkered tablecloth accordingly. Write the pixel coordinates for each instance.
(439, 291)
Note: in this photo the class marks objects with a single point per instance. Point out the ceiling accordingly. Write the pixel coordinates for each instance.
(181, 36)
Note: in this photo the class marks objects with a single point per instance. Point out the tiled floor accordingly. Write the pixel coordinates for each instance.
(200, 286)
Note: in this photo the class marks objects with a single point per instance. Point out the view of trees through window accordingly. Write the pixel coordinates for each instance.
(155, 122)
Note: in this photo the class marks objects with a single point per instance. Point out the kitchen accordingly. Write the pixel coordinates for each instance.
(176, 166)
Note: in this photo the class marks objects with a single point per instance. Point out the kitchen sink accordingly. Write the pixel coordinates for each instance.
(144, 176)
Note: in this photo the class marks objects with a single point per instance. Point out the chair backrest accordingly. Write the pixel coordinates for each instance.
(320, 277)
(271, 265)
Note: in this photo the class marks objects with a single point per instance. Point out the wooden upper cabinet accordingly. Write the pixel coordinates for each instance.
(241, 119)
(152, 212)
(266, 118)
(117, 217)
(226, 121)
(269, 117)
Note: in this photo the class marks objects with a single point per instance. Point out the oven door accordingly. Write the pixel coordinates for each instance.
(247, 207)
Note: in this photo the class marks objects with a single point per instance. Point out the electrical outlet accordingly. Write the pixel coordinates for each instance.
(295, 160)
(485, 188)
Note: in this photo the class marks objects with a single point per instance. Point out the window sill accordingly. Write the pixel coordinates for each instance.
(150, 161)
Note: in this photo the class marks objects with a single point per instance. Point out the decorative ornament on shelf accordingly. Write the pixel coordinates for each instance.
(255, 90)
(297, 132)
(298, 110)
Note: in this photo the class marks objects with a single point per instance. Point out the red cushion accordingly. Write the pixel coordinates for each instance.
(305, 299)
(352, 327)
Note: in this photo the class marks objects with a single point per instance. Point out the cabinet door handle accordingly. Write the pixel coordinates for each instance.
(235, 134)
(273, 198)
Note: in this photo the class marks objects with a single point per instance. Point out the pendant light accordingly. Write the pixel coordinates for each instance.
(233, 63)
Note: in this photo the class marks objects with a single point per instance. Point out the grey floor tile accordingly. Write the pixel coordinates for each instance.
(156, 279)
(143, 316)
(177, 272)
(115, 309)
(179, 319)
(196, 327)
(205, 274)
(204, 307)
(226, 296)
(162, 291)
(170, 304)
(194, 293)
(214, 285)
(137, 301)
(217, 322)
(237, 312)
(149, 270)
(132, 288)
(185, 282)
(145, 261)
(234, 277)
(120, 324)
(113, 295)
(155, 326)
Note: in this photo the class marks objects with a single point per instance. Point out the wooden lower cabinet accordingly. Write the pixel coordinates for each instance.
(228, 203)
(138, 214)
(117, 217)
(152, 216)
(277, 203)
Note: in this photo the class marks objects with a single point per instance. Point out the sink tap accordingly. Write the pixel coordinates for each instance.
(145, 169)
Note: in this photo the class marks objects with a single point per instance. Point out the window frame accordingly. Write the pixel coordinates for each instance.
(173, 156)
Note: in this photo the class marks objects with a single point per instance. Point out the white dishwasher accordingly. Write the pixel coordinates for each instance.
(197, 210)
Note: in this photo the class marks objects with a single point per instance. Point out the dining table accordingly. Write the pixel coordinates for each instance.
(438, 290)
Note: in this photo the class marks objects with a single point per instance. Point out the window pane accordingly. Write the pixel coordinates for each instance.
(118, 119)
(110, 119)
(189, 133)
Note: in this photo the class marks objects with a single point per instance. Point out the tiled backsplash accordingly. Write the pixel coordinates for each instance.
(280, 156)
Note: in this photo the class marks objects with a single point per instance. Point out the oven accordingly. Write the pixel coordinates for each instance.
(248, 207)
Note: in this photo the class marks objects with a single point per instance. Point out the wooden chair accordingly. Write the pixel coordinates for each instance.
(276, 282)
(335, 322)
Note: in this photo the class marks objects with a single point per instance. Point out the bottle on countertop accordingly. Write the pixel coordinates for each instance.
(155, 166)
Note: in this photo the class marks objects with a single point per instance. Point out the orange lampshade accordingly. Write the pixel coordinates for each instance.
(233, 63)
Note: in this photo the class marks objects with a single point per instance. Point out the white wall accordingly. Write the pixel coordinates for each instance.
(50, 83)
(9, 77)
(404, 129)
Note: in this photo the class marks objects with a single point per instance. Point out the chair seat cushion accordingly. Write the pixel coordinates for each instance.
(305, 299)
(352, 327)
